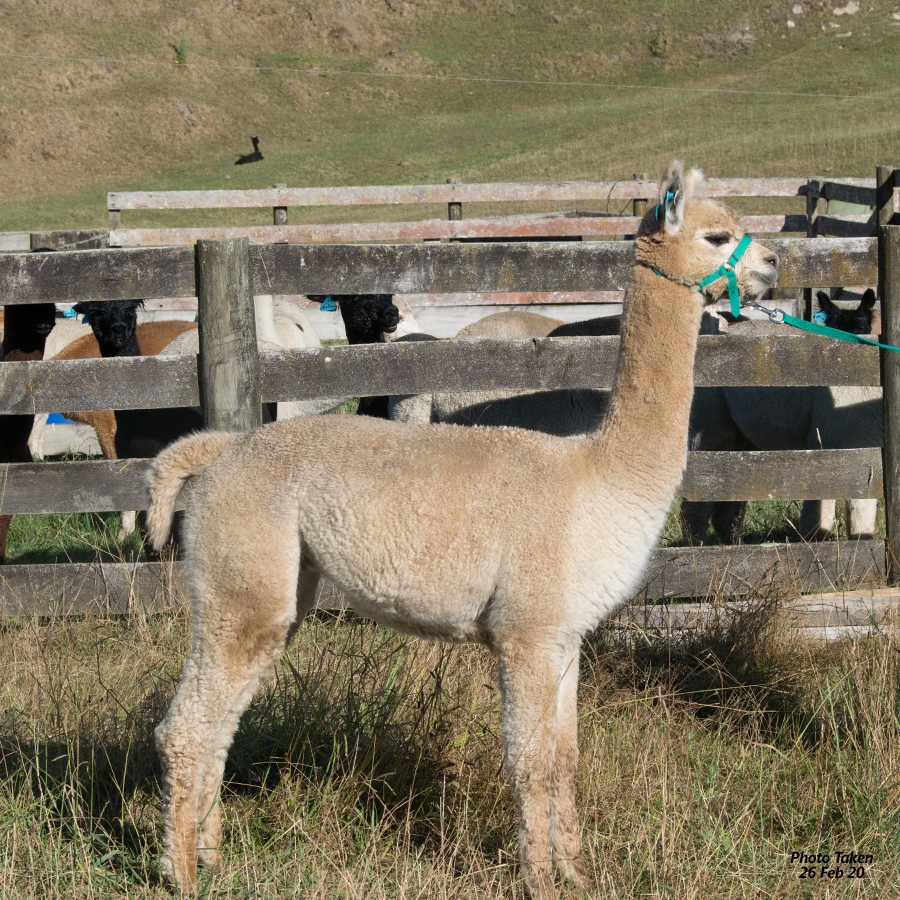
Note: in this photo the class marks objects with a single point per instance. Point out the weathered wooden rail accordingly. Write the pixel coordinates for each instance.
(572, 223)
(410, 368)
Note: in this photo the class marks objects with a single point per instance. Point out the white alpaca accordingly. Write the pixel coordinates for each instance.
(518, 540)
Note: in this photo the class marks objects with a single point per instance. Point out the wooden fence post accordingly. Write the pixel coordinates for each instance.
(114, 219)
(639, 206)
(815, 205)
(454, 210)
(280, 212)
(228, 366)
(889, 293)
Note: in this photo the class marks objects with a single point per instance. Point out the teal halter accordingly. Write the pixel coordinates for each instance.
(726, 270)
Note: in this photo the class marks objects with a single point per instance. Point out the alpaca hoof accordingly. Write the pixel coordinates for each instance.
(210, 858)
(540, 887)
(183, 882)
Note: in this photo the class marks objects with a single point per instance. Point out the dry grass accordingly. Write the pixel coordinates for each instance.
(370, 764)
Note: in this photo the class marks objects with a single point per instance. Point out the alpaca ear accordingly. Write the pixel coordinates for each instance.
(825, 303)
(868, 299)
(672, 197)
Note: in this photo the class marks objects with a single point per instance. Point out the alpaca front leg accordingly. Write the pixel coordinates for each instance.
(861, 515)
(529, 678)
(564, 834)
(180, 756)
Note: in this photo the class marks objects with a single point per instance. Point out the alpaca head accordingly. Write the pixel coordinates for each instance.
(367, 317)
(113, 322)
(687, 238)
(862, 320)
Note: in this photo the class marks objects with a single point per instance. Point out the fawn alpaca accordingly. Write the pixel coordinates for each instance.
(519, 540)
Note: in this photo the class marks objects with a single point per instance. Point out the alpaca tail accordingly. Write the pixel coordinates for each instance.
(171, 469)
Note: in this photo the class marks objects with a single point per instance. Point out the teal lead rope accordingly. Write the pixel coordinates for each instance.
(779, 315)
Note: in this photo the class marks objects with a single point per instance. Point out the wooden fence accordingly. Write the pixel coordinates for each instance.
(630, 198)
(367, 370)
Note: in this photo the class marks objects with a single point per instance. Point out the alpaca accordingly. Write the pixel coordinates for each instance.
(374, 319)
(788, 418)
(424, 408)
(25, 331)
(518, 540)
(255, 156)
(563, 412)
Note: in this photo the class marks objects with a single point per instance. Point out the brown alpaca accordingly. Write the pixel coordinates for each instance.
(518, 540)
(153, 337)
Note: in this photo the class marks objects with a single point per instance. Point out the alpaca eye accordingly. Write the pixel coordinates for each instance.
(718, 240)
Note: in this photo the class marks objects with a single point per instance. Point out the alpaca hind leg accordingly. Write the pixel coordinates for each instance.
(564, 835)
(728, 520)
(129, 520)
(695, 515)
(529, 683)
(861, 515)
(209, 806)
(816, 520)
(239, 633)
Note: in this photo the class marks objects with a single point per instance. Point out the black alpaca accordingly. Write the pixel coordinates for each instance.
(255, 156)
(856, 321)
(367, 318)
(25, 330)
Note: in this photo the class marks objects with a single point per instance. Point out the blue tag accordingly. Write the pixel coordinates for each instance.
(69, 313)
(820, 317)
(328, 305)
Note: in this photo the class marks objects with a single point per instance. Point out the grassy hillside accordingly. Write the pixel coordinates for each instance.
(70, 131)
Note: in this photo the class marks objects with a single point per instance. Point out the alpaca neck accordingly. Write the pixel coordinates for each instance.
(644, 435)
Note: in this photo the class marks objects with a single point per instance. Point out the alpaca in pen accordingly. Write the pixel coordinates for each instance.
(515, 539)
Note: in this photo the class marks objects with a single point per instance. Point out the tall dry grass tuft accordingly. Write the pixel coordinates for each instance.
(371, 764)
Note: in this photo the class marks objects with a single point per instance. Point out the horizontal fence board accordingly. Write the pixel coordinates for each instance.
(795, 568)
(395, 268)
(71, 276)
(96, 588)
(847, 192)
(845, 227)
(837, 611)
(159, 382)
(783, 475)
(15, 242)
(430, 229)
(73, 486)
(444, 193)
(98, 486)
(147, 382)
(825, 262)
(440, 268)
(517, 298)
(89, 588)
(107, 485)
